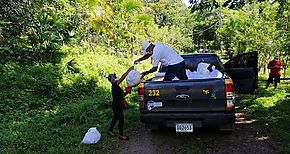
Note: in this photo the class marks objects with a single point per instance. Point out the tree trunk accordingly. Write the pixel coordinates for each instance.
(265, 68)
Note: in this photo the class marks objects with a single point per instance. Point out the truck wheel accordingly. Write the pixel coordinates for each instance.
(152, 128)
(228, 128)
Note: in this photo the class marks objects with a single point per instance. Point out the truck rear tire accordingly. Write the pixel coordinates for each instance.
(151, 127)
(228, 128)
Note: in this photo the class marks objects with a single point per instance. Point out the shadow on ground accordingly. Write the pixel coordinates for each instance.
(247, 137)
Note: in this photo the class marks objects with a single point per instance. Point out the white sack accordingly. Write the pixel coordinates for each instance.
(160, 74)
(215, 73)
(202, 69)
(92, 136)
(201, 73)
(133, 78)
(196, 75)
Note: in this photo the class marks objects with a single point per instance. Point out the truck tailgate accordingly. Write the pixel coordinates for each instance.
(199, 95)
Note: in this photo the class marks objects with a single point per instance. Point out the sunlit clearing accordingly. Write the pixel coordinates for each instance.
(262, 138)
(266, 101)
(246, 121)
(240, 119)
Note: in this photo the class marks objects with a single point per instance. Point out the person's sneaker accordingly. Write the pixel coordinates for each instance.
(123, 137)
(111, 133)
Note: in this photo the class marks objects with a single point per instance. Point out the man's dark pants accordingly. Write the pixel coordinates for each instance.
(275, 77)
(177, 70)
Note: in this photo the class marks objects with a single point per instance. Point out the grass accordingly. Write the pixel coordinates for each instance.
(271, 107)
(61, 129)
(38, 117)
(48, 109)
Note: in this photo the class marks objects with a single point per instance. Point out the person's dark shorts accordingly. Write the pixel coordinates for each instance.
(177, 70)
(274, 77)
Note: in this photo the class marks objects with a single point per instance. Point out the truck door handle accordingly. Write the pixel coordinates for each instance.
(182, 89)
(183, 96)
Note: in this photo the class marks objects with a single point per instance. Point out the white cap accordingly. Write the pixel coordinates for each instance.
(145, 45)
(277, 57)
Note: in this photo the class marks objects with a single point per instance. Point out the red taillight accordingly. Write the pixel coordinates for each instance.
(128, 90)
(230, 94)
(230, 87)
(141, 92)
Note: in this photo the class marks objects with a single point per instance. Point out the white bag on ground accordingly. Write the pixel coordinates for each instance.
(92, 136)
(133, 78)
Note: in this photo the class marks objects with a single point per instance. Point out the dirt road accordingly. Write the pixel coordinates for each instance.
(247, 137)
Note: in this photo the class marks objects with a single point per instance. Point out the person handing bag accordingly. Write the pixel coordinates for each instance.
(133, 78)
(165, 55)
(118, 104)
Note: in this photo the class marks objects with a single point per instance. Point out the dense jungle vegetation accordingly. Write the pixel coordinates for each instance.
(55, 54)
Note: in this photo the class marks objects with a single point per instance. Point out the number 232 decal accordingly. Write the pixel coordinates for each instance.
(153, 93)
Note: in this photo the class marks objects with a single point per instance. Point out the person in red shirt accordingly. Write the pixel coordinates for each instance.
(274, 66)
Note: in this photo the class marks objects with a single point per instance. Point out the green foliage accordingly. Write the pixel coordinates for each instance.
(55, 55)
(47, 110)
(173, 37)
(260, 26)
(174, 24)
(143, 20)
(271, 108)
(283, 25)
(20, 82)
(35, 31)
(132, 5)
(61, 129)
(85, 73)
(204, 26)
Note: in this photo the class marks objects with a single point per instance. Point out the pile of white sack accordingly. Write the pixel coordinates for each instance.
(201, 72)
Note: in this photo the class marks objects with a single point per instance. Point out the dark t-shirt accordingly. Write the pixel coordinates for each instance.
(117, 93)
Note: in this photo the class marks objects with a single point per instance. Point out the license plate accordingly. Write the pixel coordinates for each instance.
(184, 127)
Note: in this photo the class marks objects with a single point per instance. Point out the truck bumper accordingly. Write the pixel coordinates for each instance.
(199, 120)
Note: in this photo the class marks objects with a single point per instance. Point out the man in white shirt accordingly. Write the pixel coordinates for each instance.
(167, 57)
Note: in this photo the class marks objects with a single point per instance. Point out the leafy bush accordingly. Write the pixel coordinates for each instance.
(50, 109)
(21, 82)
(34, 31)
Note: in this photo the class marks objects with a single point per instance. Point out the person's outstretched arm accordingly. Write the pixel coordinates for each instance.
(153, 69)
(124, 75)
(143, 58)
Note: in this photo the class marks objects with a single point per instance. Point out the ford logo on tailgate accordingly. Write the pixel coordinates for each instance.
(183, 96)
